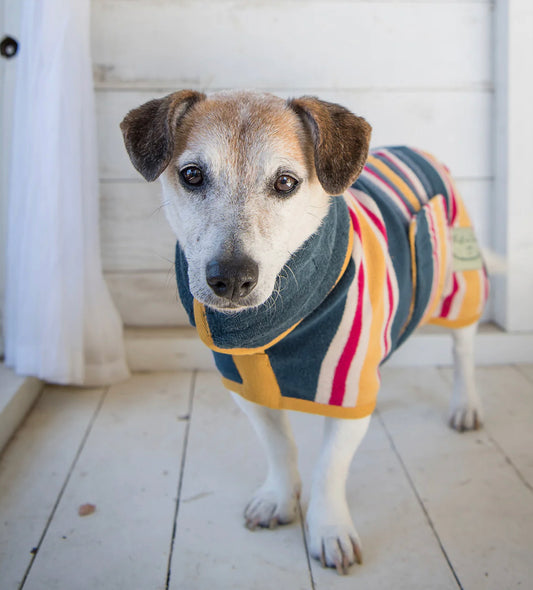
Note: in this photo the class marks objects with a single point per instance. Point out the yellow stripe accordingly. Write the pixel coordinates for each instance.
(458, 323)
(396, 181)
(472, 304)
(202, 325)
(259, 381)
(443, 254)
(463, 219)
(412, 234)
(375, 282)
(302, 405)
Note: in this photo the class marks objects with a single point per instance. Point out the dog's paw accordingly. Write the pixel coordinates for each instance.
(465, 417)
(335, 544)
(272, 506)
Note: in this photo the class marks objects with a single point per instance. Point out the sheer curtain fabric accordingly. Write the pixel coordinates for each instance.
(60, 322)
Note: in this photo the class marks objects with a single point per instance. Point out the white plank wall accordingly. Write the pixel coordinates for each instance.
(419, 71)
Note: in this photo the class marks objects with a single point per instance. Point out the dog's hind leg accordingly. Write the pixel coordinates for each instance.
(465, 407)
(332, 537)
(276, 501)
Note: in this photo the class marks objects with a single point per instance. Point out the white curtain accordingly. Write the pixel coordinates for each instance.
(60, 322)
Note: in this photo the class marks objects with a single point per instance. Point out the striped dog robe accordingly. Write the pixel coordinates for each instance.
(396, 251)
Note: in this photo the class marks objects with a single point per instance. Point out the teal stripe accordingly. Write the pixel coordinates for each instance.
(393, 187)
(399, 172)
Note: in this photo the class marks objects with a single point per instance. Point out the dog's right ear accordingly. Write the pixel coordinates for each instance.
(150, 131)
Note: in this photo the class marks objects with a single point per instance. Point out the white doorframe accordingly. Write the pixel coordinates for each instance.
(512, 206)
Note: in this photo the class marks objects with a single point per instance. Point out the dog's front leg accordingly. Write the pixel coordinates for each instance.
(332, 536)
(276, 501)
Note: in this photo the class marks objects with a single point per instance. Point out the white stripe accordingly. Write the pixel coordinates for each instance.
(433, 228)
(331, 359)
(419, 187)
(382, 185)
(395, 301)
(371, 205)
(354, 374)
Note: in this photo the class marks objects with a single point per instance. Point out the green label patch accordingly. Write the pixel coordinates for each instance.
(466, 252)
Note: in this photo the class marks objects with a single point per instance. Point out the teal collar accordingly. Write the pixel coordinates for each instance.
(314, 270)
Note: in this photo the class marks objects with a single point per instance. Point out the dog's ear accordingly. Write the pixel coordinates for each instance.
(340, 141)
(150, 131)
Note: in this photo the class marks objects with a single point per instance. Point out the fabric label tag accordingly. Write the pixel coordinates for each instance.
(466, 253)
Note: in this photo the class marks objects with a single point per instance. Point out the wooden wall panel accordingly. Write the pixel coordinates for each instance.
(147, 298)
(287, 44)
(419, 70)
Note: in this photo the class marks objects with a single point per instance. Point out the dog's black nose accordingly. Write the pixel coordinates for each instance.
(232, 279)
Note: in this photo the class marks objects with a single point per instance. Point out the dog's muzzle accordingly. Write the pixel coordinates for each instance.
(232, 279)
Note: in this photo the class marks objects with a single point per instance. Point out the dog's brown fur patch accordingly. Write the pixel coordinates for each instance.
(150, 131)
(340, 139)
(326, 138)
(245, 125)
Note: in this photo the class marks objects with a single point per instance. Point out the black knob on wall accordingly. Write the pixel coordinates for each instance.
(9, 47)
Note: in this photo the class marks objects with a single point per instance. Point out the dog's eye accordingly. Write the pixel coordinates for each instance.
(192, 175)
(285, 184)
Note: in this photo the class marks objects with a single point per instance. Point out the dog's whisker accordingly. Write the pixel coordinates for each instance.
(169, 260)
(292, 272)
(158, 209)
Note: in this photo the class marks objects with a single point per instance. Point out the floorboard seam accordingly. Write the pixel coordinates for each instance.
(81, 446)
(523, 373)
(180, 479)
(306, 546)
(508, 460)
(501, 450)
(419, 499)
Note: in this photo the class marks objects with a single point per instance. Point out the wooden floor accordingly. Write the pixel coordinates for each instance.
(169, 463)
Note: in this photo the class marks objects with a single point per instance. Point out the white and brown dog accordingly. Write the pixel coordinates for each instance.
(300, 294)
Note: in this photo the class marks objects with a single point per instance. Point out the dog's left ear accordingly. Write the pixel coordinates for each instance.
(340, 141)
(150, 131)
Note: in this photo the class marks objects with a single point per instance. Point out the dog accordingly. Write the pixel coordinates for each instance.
(304, 260)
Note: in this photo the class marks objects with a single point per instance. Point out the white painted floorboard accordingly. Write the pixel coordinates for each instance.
(434, 509)
(33, 472)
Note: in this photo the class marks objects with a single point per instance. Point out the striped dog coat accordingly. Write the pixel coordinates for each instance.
(396, 251)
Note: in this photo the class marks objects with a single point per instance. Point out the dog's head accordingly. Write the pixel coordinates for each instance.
(246, 178)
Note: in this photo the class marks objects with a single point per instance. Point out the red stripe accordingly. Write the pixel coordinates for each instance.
(375, 220)
(447, 303)
(445, 175)
(454, 205)
(386, 341)
(398, 164)
(391, 187)
(435, 254)
(355, 222)
(338, 387)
